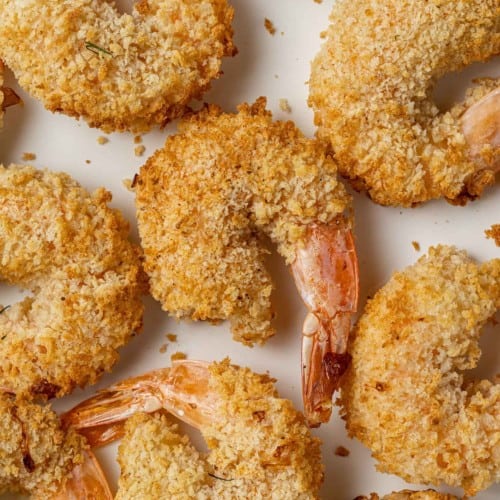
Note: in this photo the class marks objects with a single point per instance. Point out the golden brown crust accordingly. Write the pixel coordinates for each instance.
(118, 71)
(411, 495)
(260, 447)
(72, 252)
(494, 234)
(371, 88)
(36, 454)
(204, 200)
(405, 396)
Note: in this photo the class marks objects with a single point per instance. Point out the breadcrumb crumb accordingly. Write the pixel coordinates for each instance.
(137, 139)
(139, 150)
(178, 355)
(268, 24)
(341, 451)
(494, 234)
(285, 106)
(127, 183)
(163, 348)
(416, 245)
(172, 337)
(29, 156)
(102, 140)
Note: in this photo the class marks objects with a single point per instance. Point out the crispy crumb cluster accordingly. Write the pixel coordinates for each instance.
(260, 447)
(205, 199)
(405, 396)
(371, 90)
(118, 71)
(494, 233)
(36, 454)
(72, 252)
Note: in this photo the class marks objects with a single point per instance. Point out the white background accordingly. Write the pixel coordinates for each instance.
(277, 67)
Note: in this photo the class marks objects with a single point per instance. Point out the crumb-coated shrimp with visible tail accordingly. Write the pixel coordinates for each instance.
(260, 446)
(405, 396)
(205, 201)
(41, 459)
(119, 71)
(371, 89)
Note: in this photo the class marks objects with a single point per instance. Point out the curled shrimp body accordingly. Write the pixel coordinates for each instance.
(41, 459)
(118, 71)
(249, 177)
(259, 444)
(405, 396)
(371, 90)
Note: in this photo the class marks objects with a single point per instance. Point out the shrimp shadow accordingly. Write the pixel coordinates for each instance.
(232, 85)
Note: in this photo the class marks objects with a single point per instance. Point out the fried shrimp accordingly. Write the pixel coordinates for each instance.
(41, 459)
(411, 495)
(371, 90)
(72, 252)
(260, 446)
(118, 71)
(203, 203)
(404, 395)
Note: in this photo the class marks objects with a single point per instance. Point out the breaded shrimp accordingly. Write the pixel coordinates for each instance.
(404, 395)
(371, 90)
(204, 202)
(41, 459)
(72, 252)
(260, 446)
(118, 71)
(411, 495)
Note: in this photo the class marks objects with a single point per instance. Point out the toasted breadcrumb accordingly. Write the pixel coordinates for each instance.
(72, 252)
(494, 234)
(127, 183)
(163, 348)
(410, 495)
(247, 174)
(260, 447)
(139, 150)
(285, 106)
(371, 91)
(88, 162)
(268, 24)
(102, 140)
(177, 355)
(410, 347)
(147, 66)
(137, 139)
(341, 451)
(36, 454)
(29, 157)
(172, 337)
(416, 245)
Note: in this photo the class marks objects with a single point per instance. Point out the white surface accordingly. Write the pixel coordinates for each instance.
(277, 67)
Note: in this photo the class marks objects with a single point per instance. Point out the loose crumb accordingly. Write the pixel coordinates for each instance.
(128, 184)
(285, 106)
(177, 355)
(416, 245)
(137, 139)
(269, 26)
(102, 140)
(139, 150)
(29, 156)
(172, 337)
(318, 1)
(340, 451)
(88, 162)
(494, 234)
(163, 348)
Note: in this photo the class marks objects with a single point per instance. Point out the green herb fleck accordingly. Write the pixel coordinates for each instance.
(3, 310)
(96, 49)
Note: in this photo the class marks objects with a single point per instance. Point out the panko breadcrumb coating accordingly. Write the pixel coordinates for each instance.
(260, 447)
(36, 454)
(404, 395)
(371, 90)
(411, 495)
(72, 252)
(118, 71)
(205, 199)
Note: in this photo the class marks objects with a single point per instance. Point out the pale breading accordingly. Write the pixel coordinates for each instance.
(371, 90)
(72, 252)
(404, 395)
(205, 200)
(260, 447)
(118, 71)
(36, 454)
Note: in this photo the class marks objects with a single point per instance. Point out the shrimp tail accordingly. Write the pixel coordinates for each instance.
(10, 98)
